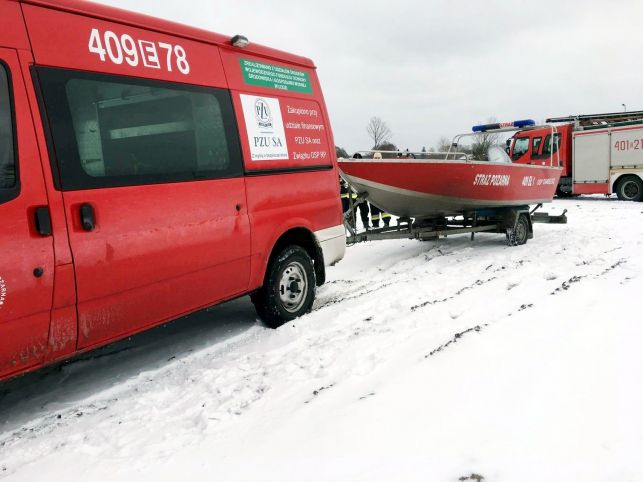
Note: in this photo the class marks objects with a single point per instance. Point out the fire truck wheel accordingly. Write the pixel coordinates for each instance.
(562, 194)
(522, 230)
(289, 288)
(630, 188)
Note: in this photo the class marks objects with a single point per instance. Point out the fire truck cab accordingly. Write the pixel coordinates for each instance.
(600, 153)
(148, 170)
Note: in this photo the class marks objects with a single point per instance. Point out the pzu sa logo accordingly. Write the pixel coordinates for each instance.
(262, 114)
(3, 291)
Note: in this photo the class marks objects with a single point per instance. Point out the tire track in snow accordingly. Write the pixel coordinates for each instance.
(563, 287)
(360, 289)
(577, 278)
(474, 285)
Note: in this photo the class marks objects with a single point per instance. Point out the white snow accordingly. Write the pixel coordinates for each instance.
(376, 384)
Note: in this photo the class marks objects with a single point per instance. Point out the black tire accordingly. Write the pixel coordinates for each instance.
(562, 194)
(630, 188)
(522, 230)
(288, 291)
(517, 231)
(519, 234)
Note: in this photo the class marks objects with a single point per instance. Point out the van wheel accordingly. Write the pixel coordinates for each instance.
(289, 288)
(630, 188)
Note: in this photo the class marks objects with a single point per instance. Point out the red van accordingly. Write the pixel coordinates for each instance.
(148, 170)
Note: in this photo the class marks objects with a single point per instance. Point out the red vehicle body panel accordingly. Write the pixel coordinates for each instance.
(49, 29)
(594, 188)
(25, 299)
(143, 248)
(161, 250)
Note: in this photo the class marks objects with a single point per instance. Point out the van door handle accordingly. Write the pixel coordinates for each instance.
(87, 218)
(43, 221)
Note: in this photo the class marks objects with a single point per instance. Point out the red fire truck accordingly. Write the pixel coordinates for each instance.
(600, 153)
(148, 170)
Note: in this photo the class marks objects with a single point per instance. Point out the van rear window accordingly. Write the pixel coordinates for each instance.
(127, 131)
(7, 154)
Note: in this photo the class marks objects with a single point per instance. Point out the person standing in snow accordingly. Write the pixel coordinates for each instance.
(377, 215)
(362, 208)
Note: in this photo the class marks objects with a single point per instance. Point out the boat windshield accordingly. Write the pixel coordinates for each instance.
(498, 154)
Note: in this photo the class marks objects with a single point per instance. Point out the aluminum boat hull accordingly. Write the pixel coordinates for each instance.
(418, 188)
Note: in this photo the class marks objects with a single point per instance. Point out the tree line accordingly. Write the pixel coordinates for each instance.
(381, 135)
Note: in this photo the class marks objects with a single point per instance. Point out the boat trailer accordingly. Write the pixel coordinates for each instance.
(515, 222)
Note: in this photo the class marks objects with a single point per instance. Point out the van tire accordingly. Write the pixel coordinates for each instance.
(289, 287)
(630, 188)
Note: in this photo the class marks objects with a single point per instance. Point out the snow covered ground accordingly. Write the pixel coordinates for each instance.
(423, 361)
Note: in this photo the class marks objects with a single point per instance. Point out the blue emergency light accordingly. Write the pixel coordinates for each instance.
(519, 124)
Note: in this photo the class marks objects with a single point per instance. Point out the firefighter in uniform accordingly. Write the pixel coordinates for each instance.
(346, 194)
(363, 207)
(377, 215)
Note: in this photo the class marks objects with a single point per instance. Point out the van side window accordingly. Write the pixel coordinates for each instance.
(521, 145)
(8, 178)
(535, 145)
(548, 144)
(127, 131)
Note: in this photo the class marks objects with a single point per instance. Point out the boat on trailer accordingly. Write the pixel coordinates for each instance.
(454, 184)
(453, 194)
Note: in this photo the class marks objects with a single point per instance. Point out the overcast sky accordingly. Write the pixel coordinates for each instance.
(433, 68)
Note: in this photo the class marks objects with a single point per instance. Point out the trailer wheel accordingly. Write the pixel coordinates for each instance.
(289, 288)
(519, 234)
(522, 229)
(630, 188)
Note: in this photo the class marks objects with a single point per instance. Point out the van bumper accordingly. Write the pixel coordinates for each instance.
(332, 242)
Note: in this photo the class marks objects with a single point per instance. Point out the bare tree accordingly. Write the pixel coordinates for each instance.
(341, 152)
(444, 143)
(378, 131)
(483, 141)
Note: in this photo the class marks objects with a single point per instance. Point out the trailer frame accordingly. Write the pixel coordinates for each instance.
(503, 220)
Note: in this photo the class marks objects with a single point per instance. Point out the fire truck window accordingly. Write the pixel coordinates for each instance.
(535, 145)
(547, 146)
(7, 153)
(521, 145)
(130, 132)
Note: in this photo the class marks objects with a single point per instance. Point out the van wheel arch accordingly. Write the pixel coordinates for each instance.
(306, 239)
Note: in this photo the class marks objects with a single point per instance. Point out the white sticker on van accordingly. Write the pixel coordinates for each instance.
(3, 291)
(266, 134)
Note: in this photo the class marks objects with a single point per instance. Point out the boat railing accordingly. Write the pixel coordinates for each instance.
(481, 130)
(370, 154)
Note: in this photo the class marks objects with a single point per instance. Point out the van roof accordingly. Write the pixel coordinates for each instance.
(148, 22)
